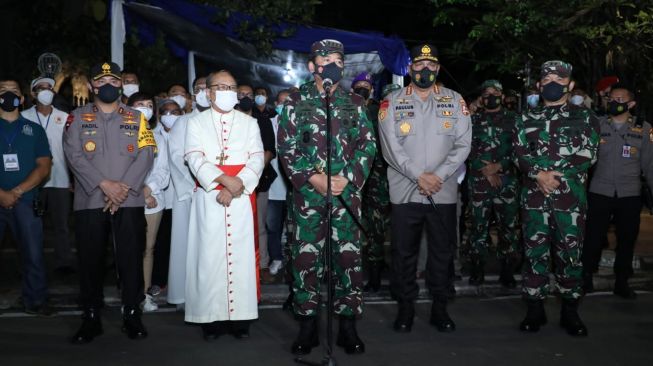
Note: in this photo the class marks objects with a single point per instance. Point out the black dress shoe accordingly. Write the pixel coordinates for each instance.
(535, 316)
(476, 272)
(287, 305)
(507, 274)
(91, 327)
(440, 317)
(210, 331)
(348, 337)
(405, 314)
(240, 329)
(307, 337)
(623, 290)
(132, 324)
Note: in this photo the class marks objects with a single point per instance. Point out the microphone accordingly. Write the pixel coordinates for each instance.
(327, 84)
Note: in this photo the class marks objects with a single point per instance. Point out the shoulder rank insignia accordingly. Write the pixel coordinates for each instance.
(69, 121)
(409, 90)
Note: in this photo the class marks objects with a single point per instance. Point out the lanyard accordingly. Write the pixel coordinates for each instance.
(47, 122)
(11, 139)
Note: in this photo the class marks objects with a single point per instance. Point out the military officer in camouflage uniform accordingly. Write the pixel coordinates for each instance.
(110, 149)
(555, 145)
(625, 151)
(302, 152)
(376, 203)
(493, 186)
(426, 136)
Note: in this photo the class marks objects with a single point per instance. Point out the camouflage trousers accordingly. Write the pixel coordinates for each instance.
(553, 226)
(376, 212)
(308, 250)
(504, 203)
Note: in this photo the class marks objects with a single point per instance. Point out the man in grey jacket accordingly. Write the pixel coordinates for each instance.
(625, 151)
(425, 136)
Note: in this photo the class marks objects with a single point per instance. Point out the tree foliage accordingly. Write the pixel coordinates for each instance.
(597, 37)
(264, 17)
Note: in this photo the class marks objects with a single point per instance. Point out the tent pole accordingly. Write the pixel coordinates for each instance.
(117, 33)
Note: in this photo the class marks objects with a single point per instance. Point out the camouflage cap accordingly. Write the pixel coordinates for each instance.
(560, 68)
(327, 46)
(363, 76)
(492, 83)
(389, 89)
(424, 51)
(105, 69)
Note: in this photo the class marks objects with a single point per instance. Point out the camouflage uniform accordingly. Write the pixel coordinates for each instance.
(491, 141)
(561, 138)
(302, 152)
(376, 200)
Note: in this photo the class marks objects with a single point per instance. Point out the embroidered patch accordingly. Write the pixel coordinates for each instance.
(404, 128)
(130, 148)
(463, 107)
(446, 125)
(383, 110)
(89, 146)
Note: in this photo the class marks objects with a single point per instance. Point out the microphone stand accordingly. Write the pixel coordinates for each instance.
(328, 359)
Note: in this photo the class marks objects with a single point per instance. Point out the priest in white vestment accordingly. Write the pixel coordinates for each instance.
(224, 152)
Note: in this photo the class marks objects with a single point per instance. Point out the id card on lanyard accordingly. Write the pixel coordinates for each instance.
(625, 152)
(9, 156)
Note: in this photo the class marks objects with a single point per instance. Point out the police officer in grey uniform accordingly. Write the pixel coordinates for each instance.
(109, 149)
(625, 151)
(425, 135)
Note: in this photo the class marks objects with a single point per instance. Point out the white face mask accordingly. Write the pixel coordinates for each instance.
(147, 112)
(577, 100)
(202, 99)
(169, 120)
(180, 100)
(45, 97)
(226, 99)
(129, 89)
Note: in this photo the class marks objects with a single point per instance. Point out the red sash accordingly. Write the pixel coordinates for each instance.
(232, 171)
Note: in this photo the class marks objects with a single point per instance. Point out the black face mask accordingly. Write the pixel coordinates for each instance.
(363, 92)
(424, 78)
(9, 101)
(331, 71)
(553, 91)
(109, 93)
(615, 108)
(245, 104)
(492, 102)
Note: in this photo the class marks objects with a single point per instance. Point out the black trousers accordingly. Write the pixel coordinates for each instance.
(92, 229)
(626, 211)
(408, 221)
(162, 250)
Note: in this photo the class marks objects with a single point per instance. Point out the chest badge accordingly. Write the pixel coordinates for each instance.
(404, 128)
(447, 113)
(89, 146)
(130, 148)
(447, 125)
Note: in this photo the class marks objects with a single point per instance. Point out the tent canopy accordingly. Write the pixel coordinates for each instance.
(188, 27)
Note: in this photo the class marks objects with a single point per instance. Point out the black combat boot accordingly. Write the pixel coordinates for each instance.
(91, 327)
(440, 317)
(132, 324)
(348, 337)
(287, 305)
(622, 289)
(374, 277)
(476, 271)
(507, 275)
(570, 320)
(535, 316)
(307, 337)
(405, 314)
(240, 329)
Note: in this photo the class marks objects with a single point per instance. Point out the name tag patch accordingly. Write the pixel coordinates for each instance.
(10, 162)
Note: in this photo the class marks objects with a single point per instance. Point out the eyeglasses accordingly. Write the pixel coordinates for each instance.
(223, 87)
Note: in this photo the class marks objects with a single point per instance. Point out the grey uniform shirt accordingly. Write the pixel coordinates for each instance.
(623, 155)
(417, 136)
(114, 146)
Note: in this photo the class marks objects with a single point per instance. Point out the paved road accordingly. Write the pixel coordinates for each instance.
(621, 333)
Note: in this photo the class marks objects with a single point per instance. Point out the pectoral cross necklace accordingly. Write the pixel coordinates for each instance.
(222, 141)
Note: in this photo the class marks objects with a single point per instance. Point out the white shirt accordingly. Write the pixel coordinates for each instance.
(53, 125)
(278, 188)
(158, 179)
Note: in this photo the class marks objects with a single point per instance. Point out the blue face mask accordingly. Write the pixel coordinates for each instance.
(260, 100)
(278, 109)
(533, 100)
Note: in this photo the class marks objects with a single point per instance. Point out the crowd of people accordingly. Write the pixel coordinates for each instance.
(205, 194)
